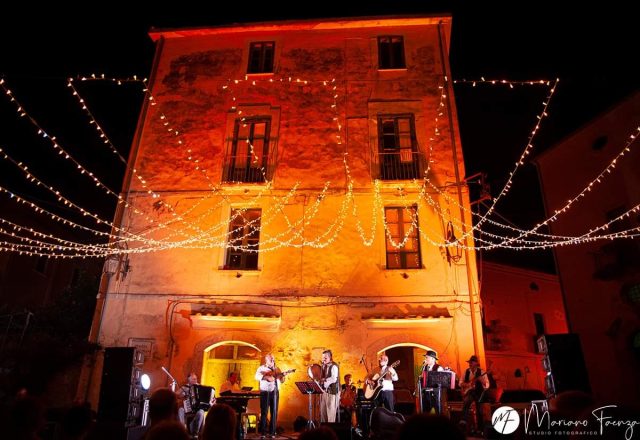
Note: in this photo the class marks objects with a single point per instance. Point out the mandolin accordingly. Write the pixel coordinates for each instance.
(271, 376)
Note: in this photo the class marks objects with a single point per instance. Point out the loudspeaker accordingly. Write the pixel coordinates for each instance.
(564, 363)
(342, 429)
(120, 393)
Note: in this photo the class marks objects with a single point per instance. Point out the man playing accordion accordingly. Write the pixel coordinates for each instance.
(192, 418)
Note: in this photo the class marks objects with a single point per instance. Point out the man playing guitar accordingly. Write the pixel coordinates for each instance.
(473, 384)
(387, 376)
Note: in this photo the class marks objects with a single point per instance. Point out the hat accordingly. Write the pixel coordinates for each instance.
(473, 358)
(431, 353)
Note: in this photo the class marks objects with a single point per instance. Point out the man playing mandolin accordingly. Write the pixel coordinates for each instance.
(385, 377)
(270, 378)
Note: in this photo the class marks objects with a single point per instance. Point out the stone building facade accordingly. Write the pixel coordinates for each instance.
(308, 142)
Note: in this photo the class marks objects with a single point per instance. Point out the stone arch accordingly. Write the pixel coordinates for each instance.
(413, 339)
(223, 355)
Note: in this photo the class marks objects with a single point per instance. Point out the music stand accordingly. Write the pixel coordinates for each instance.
(436, 381)
(309, 388)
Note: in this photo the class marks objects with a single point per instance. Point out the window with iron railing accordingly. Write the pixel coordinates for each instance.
(249, 160)
(244, 239)
(399, 222)
(398, 154)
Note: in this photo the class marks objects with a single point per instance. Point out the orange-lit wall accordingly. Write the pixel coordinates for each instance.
(321, 297)
(510, 297)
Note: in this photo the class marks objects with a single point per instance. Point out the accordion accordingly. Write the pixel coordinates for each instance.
(200, 397)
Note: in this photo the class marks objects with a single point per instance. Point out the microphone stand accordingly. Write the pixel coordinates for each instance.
(173, 381)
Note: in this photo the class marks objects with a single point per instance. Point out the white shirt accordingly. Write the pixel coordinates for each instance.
(333, 378)
(265, 385)
(387, 384)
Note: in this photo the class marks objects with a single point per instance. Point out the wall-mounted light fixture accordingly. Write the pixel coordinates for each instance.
(453, 251)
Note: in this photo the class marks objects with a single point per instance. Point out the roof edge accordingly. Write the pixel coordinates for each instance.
(303, 25)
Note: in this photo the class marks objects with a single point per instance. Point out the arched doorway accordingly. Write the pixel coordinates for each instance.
(411, 358)
(224, 357)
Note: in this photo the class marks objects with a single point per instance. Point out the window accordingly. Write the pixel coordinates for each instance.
(249, 158)
(261, 57)
(399, 159)
(399, 221)
(538, 320)
(244, 232)
(391, 52)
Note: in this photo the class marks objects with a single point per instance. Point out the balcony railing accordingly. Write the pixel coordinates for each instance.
(242, 168)
(402, 164)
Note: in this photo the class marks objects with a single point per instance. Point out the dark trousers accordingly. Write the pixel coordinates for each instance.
(432, 399)
(385, 398)
(473, 396)
(268, 403)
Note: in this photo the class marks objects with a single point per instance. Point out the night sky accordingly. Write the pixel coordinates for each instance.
(593, 52)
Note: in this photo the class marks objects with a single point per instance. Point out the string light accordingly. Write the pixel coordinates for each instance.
(219, 234)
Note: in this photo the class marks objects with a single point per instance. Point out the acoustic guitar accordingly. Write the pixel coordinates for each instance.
(371, 392)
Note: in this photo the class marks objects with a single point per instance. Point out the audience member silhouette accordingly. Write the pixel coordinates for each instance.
(321, 433)
(77, 422)
(163, 405)
(167, 430)
(432, 426)
(299, 424)
(220, 423)
(26, 419)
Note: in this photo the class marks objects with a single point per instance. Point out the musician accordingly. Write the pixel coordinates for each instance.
(348, 385)
(270, 381)
(387, 376)
(186, 414)
(474, 383)
(232, 384)
(329, 400)
(431, 397)
(347, 397)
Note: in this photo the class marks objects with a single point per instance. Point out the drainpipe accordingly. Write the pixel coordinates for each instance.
(478, 345)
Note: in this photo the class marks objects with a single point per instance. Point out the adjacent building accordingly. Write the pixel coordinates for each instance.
(518, 306)
(600, 279)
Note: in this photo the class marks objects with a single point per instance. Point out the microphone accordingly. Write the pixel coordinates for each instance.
(173, 385)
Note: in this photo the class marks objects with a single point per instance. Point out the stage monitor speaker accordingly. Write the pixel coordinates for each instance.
(342, 429)
(564, 363)
(120, 395)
